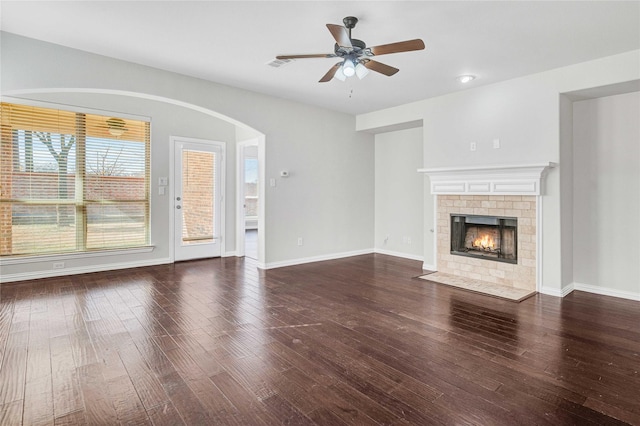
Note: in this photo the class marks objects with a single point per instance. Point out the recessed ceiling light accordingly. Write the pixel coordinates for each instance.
(465, 78)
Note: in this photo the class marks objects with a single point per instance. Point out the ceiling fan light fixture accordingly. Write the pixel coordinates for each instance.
(348, 69)
(340, 75)
(361, 70)
(116, 126)
(465, 78)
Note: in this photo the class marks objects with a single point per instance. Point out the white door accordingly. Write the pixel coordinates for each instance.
(197, 199)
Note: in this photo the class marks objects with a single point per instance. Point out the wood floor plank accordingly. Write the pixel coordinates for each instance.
(300, 390)
(145, 383)
(76, 418)
(244, 401)
(284, 412)
(211, 397)
(126, 402)
(38, 400)
(98, 405)
(324, 416)
(350, 341)
(11, 413)
(14, 366)
(165, 415)
(185, 401)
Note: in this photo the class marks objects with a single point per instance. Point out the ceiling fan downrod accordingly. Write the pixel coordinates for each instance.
(349, 23)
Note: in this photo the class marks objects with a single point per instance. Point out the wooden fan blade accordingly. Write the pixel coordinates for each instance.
(381, 68)
(315, 55)
(401, 46)
(329, 75)
(340, 34)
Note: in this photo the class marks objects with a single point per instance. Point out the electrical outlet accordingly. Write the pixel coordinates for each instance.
(496, 143)
(58, 265)
(408, 240)
(300, 241)
(472, 146)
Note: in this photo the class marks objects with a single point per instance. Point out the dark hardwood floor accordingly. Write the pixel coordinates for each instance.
(351, 341)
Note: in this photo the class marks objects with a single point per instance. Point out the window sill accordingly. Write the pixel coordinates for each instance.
(69, 256)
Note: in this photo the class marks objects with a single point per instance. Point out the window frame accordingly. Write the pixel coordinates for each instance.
(84, 252)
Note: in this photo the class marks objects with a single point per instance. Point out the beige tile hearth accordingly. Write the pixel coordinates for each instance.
(491, 289)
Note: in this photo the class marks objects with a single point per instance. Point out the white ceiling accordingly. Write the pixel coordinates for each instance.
(231, 42)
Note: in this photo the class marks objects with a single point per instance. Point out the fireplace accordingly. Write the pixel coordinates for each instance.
(485, 237)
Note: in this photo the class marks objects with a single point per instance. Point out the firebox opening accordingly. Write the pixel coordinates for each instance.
(487, 237)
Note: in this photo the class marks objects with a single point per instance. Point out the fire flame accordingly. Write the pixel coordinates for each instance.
(484, 241)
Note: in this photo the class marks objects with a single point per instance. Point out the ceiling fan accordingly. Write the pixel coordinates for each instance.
(355, 55)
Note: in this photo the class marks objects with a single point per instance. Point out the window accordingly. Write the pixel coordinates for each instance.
(71, 181)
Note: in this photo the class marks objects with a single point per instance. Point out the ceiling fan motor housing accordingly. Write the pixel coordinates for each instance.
(358, 49)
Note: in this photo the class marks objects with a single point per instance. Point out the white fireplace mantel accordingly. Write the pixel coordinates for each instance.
(519, 179)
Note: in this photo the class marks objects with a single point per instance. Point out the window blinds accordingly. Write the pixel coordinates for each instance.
(71, 181)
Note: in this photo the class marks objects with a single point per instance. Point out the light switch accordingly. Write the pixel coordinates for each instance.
(163, 181)
(272, 182)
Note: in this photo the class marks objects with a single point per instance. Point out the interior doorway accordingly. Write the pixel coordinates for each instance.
(249, 201)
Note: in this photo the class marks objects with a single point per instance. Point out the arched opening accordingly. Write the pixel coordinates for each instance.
(191, 118)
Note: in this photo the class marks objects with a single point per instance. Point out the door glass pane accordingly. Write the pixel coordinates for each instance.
(198, 194)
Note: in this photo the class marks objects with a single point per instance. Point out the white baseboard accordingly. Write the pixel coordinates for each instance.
(552, 291)
(398, 254)
(429, 267)
(229, 254)
(334, 256)
(23, 276)
(606, 291)
(300, 261)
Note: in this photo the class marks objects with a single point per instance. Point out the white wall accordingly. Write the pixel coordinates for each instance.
(328, 199)
(566, 189)
(524, 113)
(606, 195)
(399, 189)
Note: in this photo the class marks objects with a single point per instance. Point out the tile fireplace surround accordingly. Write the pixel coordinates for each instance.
(523, 207)
(511, 191)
